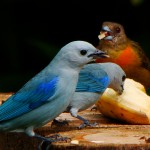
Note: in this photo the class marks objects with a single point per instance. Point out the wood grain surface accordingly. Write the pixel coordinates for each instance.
(107, 135)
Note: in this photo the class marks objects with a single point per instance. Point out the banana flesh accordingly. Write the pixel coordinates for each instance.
(133, 106)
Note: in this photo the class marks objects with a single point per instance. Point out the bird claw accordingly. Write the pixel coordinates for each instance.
(45, 144)
(87, 124)
(59, 123)
(58, 137)
(55, 136)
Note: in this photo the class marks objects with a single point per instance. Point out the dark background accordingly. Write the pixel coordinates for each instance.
(32, 32)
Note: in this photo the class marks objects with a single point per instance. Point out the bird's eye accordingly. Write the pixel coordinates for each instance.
(123, 78)
(117, 29)
(83, 52)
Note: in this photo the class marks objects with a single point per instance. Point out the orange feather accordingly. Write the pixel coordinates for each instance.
(127, 57)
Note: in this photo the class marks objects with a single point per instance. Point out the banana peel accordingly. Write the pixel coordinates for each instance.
(133, 106)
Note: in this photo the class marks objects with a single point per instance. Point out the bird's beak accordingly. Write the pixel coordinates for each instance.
(99, 54)
(121, 91)
(106, 28)
(105, 33)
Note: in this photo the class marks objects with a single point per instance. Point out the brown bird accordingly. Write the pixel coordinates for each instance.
(125, 52)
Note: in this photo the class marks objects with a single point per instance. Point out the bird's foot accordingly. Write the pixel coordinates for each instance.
(45, 144)
(59, 123)
(87, 123)
(58, 137)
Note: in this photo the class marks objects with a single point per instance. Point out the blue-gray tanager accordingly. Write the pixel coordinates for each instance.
(93, 81)
(49, 93)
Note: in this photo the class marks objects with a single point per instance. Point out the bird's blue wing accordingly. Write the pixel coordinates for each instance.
(92, 79)
(29, 97)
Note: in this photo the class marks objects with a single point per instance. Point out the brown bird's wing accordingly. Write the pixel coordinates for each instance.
(144, 59)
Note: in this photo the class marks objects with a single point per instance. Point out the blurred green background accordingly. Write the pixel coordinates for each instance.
(32, 32)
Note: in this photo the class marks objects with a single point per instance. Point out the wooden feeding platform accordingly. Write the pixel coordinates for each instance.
(107, 135)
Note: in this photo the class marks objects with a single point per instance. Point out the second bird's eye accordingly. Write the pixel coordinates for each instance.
(117, 30)
(83, 52)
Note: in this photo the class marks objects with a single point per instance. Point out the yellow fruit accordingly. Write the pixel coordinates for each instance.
(133, 106)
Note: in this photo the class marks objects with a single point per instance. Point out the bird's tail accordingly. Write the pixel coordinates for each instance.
(3, 127)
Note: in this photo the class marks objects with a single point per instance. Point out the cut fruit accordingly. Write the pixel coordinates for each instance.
(133, 106)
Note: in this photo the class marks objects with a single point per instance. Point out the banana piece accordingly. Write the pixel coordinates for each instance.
(102, 35)
(133, 106)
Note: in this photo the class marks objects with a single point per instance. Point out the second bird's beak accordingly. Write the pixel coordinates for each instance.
(106, 33)
(99, 54)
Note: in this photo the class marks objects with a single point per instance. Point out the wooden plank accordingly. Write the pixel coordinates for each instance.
(108, 135)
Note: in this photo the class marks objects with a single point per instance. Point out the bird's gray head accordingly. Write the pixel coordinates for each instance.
(79, 53)
(113, 33)
(117, 76)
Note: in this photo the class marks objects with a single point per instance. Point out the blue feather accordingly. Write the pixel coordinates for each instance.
(28, 99)
(48, 89)
(92, 79)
